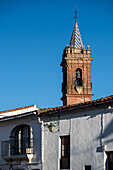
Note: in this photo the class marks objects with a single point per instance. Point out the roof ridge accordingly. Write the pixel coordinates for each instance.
(19, 108)
(79, 104)
(58, 107)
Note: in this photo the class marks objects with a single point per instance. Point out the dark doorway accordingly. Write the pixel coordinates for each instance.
(87, 167)
(110, 160)
(65, 152)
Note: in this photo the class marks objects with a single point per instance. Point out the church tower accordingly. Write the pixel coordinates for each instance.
(76, 68)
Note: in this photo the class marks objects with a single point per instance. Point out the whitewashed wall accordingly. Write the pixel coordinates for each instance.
(88, 130)
(5, 130)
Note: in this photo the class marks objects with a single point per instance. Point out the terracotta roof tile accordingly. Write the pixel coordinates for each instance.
(20, 108)
(55, 109)
(47, 110)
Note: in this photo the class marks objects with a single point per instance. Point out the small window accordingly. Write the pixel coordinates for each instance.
(87, 167)
(65, 152)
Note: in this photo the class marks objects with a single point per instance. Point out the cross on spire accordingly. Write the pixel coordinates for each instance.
(76, 39)
(75, 14)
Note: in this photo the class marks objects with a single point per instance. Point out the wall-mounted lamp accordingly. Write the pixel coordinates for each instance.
(51, 127)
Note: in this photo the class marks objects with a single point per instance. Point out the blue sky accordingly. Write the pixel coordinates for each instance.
(33, 34)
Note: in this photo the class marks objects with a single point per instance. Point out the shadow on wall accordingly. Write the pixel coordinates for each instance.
(107, 132)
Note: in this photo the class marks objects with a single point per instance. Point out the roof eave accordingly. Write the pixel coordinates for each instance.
(18, 116)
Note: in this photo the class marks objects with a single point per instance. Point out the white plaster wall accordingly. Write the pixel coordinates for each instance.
(7, 126)
(108, 130)
(87, 136)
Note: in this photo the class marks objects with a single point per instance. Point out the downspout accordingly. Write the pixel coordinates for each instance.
(42, 142)
(103, 145)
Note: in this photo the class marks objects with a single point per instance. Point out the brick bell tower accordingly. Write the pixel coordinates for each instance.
(76, 68)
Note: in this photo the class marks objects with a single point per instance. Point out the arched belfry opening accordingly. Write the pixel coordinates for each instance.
(78, 76)
(76, 68)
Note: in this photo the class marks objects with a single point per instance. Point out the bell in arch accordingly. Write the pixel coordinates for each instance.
(78, 74)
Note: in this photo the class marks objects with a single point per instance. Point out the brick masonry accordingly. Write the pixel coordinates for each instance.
(73, 59)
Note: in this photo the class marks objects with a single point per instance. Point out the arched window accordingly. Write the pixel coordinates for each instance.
(23, 138)
(78, 77)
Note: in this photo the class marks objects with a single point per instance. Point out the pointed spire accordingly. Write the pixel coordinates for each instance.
(76, 39)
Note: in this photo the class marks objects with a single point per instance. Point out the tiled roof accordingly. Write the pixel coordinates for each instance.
(18, 111)
(61, 108)
(7, 117)
(20, 108)
(29, 109)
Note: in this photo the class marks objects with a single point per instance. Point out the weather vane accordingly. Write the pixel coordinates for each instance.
(75, 14)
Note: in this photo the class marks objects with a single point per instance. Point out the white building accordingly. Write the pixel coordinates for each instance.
(19, 130)
(82, 138)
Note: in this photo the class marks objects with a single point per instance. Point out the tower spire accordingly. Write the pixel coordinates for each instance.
(76, 68)
(76, 40)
